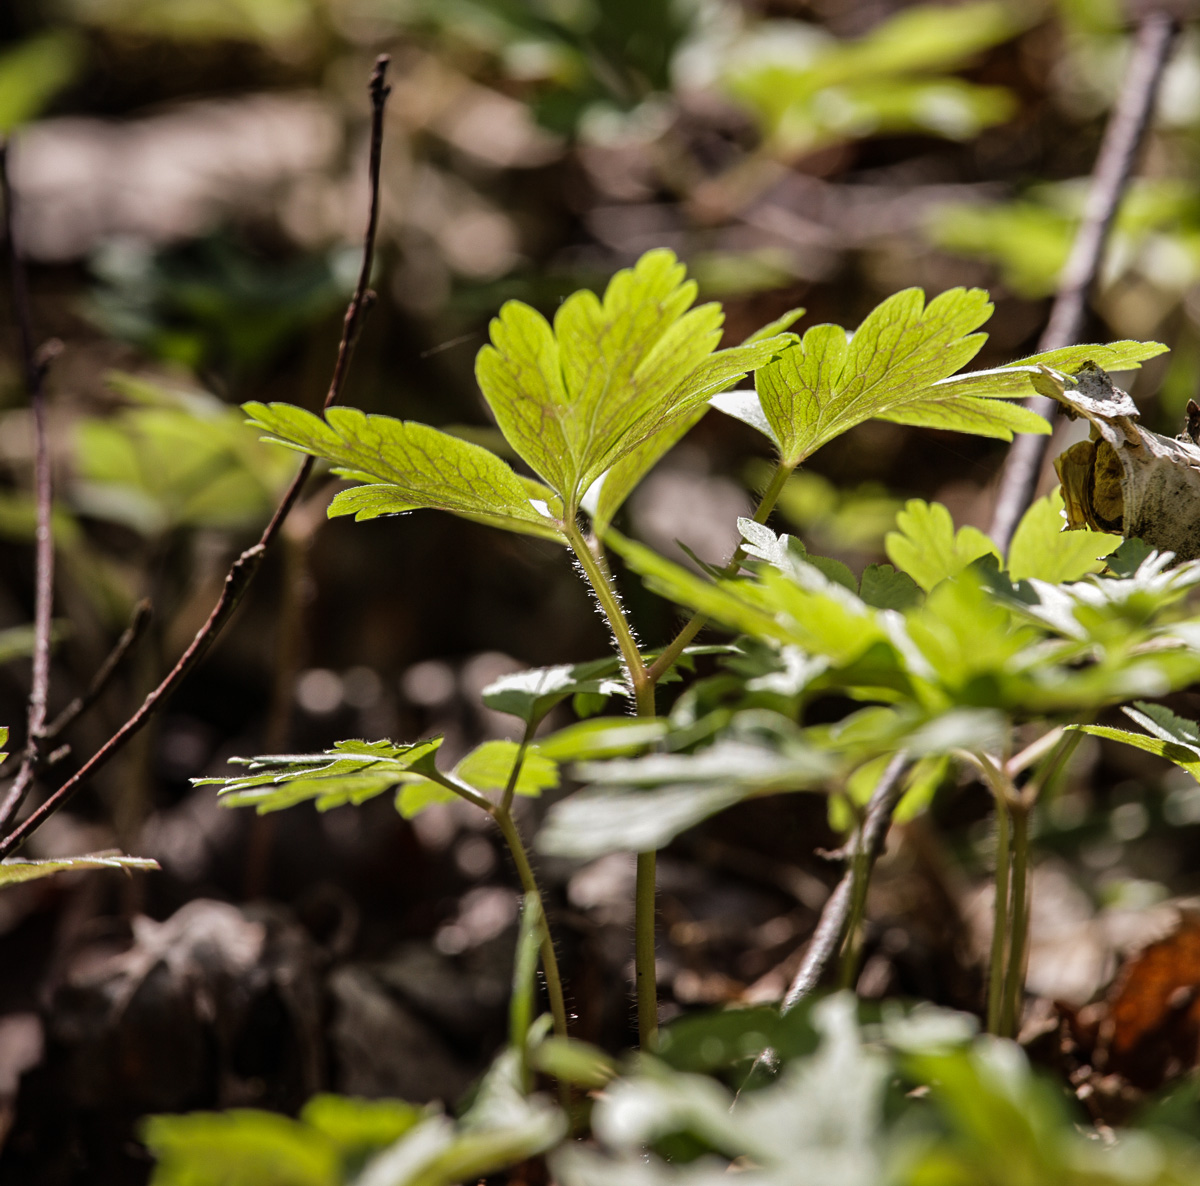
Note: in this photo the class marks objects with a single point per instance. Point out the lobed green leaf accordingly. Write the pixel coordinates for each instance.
(406, 465)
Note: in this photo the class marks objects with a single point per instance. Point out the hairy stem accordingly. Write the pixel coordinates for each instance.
(512, 838)
(644, 893)
(766, 504)
(610, 605)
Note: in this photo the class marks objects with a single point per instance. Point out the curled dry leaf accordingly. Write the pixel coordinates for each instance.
(1125, 478)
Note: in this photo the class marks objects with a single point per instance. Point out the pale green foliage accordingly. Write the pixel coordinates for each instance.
(927, 547)
(1167, 735)
(174, 459)
(889, 369)
(13, 872)
(489, 766)
(821, 91)
(350, 772)
(576, 397)
(830, 517)
(1041, 548)
(601, 737)
(32, 72)
(687, 788)
(407, 465)
(265, 21)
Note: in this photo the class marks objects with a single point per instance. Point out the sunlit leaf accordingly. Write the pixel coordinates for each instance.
(407, 465)
(576, 397)
(1167, 735)
(489, 766)
(1041, 548)
(926, 546)
(350, 772)
(531, 694)
(14, 871)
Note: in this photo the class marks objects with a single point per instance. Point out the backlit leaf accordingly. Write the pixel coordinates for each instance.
(1167, 735)
(531, 694)
(350, 772)
(575, 398)
(489, 766)
(407, 465)
(14, 871)
(926, 546)
(1041, 548)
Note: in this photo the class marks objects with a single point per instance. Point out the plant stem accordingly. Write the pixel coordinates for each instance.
(766, 504)
(610, 605)
(510, 788)
(860, 870)
(1014, 981)
(512, 837)
(999, 922)
(645, 974)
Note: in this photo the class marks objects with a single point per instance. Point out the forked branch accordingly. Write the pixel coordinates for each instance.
(244, 568)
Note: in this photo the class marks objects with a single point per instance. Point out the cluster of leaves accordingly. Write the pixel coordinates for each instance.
(822, 1096)
(807, 90)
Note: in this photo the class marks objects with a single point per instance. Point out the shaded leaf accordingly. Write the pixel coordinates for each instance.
(531, 694)
(32, 72)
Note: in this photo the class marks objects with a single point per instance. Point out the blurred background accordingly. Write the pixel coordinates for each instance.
(191, 194)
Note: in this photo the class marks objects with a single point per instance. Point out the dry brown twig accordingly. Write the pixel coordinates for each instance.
(1123, 138)
(245, 567)
(1114, 167)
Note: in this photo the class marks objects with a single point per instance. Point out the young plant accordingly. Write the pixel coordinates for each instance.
(590, 403)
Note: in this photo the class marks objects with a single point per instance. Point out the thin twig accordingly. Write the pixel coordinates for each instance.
(244, 568)
(35, 372)
(1110, 178)
(832, 923)
(137, 624)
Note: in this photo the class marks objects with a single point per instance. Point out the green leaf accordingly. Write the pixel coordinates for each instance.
(618, 483)
(687, 788)
(576, 398)
(241, 1147)
(33, 72)
(885, 588)
(407, 465)
(571, 1061)
(1015, 381)
(531, 694)
(1042, 548)
(175, 458)
(927, 548)
(360, 1126)
(1167, 735)
(827, 383)
(489, 766)
(601, 737)
(502, 1127)
(12, 871)
(350, 772)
